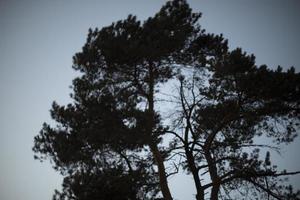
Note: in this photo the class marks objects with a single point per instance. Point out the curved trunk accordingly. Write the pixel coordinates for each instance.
(163, 182)
(194, 170)
(212, 168)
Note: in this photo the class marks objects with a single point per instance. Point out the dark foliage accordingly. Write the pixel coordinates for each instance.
(107, 141)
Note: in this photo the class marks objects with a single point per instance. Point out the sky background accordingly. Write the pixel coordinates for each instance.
(39, 38)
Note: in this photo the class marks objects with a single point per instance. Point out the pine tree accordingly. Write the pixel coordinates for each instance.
(106, 141)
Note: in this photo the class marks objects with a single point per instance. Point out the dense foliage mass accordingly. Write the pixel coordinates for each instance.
(115, 142)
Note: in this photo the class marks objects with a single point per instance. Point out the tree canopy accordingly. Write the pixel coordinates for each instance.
(114, 141)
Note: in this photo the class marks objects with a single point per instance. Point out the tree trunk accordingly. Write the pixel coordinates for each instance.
(212, 168)
(214, 192)
(163, 182)
(194, 170)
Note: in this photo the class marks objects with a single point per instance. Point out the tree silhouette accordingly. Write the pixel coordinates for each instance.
(106, 142)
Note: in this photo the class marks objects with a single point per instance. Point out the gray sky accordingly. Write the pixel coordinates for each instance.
(39, 38)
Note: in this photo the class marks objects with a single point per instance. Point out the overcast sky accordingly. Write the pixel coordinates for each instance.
(39, 38)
